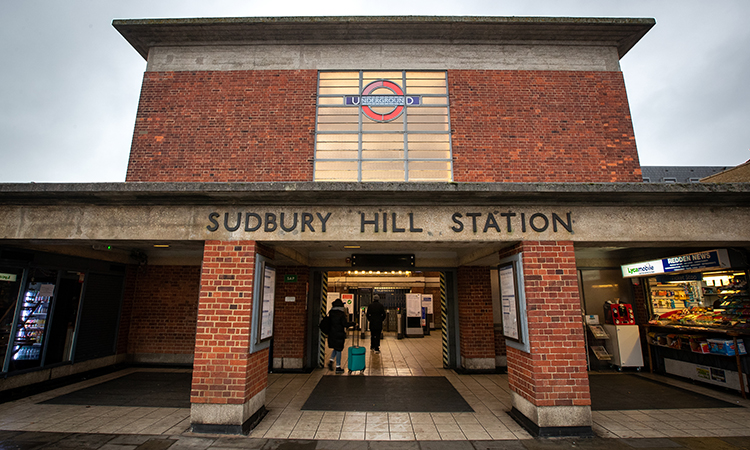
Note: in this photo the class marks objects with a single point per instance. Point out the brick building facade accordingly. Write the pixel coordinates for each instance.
(488, 140)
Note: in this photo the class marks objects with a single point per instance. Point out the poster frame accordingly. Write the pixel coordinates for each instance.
(520, 340)
(264, 332)
(255, 330)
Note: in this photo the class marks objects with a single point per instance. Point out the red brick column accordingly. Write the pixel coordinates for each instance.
(477, 339)
(229, 383)
(549, 384)
(290, 318)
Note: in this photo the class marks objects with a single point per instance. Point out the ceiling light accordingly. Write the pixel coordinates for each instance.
(161, 245)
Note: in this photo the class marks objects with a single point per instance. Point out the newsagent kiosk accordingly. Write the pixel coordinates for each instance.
(493, 155)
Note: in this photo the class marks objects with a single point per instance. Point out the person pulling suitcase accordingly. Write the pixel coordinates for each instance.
(337, 334)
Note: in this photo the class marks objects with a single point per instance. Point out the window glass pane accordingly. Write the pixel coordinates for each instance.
(434, 101)
(337, 119)
(336, 175)
(369, 126)
(427, 75)
(427, 90)
(338, 90)
(326, 146)
(427, 119)
(442, 146)
(337, 138)
(434, 154)
(428, 138)
(337, 112)
(392, 137)
(333, 75)
(425, 127)
(382, 154)
(410, 83)
(383, 145)
(338, 127)
(429, 165)
(352, 82)
(383, 171)
(338, 100)
(372, 76)
(351, 154)
(429, 175)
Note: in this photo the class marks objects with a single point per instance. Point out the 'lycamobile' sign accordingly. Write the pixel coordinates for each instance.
(711, 259)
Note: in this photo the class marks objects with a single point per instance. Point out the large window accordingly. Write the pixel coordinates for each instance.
(383, 126)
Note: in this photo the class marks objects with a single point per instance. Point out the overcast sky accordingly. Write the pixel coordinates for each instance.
(70, 83)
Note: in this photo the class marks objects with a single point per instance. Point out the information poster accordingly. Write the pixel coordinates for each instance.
(509, 302)
(427, 302)
(269, 291)
(414, 305)
(348, 300)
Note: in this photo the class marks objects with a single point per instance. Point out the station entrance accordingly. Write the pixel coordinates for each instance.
(420, 329)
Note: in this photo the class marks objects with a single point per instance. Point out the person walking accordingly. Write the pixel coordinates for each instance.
(376, 316)
(337, 334)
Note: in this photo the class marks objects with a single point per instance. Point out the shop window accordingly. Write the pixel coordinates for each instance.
(383, 126)
(29, 330)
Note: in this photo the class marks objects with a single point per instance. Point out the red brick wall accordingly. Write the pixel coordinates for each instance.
(290, 318)
(507, 126)
(225, 126)
(477, 338)
(500, 349)
(160, 309)
(223, 371)
(128, 298)
(541, 126)
(554, 373)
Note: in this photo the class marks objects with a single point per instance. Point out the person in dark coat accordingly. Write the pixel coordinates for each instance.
(337, 335)
(376, 316)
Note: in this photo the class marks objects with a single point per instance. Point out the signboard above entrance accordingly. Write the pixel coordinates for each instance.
(404, 222)
(693, 262)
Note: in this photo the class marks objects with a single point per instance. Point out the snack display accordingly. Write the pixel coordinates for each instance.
(731, 312)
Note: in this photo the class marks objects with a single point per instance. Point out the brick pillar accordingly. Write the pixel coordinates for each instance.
(290, 318)
(477, 338)
(229, 383)
(549, 385)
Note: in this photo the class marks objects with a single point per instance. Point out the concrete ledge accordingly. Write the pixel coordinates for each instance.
(161, 358)
(228, 419)
(14, 381)
(549, 421)
(470, 364)
(323, 193)
(579, 57)
(287, 363)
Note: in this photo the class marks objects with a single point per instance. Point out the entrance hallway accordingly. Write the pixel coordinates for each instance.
(488, 395)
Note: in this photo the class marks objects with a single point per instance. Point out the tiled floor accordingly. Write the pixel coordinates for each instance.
(488, 395)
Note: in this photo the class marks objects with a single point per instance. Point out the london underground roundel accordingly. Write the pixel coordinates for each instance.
(382, 101)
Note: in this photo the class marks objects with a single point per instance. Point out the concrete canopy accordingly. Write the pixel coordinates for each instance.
(81, 218)
(622, 33)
